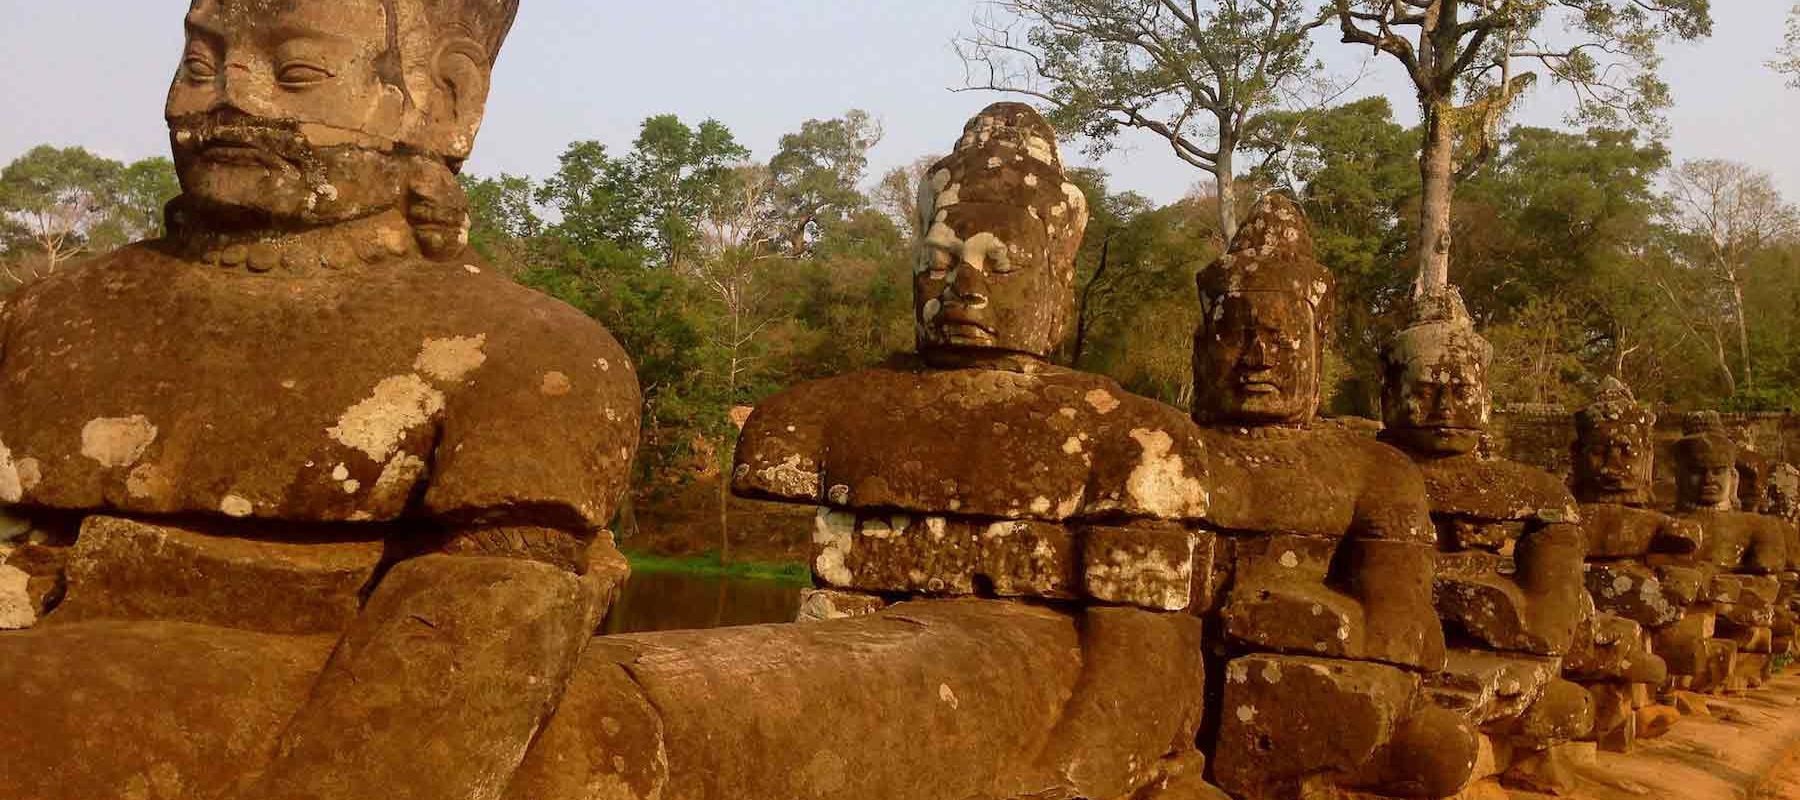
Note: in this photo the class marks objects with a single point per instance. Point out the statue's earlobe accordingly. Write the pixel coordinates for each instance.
(460, 73)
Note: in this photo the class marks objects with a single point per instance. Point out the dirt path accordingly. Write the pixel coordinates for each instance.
(1784, 782)
(1749, 749)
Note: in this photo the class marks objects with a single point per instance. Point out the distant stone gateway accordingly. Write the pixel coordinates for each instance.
(303, 501)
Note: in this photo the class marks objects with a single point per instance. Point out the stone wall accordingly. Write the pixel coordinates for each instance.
(1542, 435)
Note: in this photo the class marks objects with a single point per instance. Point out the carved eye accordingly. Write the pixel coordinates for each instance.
(198, 68)
(300, 75)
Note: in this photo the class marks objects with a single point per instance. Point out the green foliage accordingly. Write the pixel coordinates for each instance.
(818, 172)
(60, 203)
(709, 564)
(651, 199)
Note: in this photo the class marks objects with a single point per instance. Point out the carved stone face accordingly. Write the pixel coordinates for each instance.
(1705, 473)
(1613, 464)
(985, 280)
(287, 109)
(1437, 405)
(1256, 360)
(313, 111)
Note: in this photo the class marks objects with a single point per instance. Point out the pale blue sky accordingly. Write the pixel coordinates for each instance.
(93, 72)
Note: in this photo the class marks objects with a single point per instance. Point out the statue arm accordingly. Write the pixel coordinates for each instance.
(781, 451)
(441, 682)
(1393, 553)
(1550, 561)
(462, 651)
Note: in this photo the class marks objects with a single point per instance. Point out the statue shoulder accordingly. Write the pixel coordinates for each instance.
(1498, 489)
(542, 407)
(781, 449)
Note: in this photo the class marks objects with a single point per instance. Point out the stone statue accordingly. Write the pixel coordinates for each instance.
(1742, 558)
(1639, 560)
(309, 410)
(1329, 612)
(976, 467)
(1509, 568)
(1782, 501)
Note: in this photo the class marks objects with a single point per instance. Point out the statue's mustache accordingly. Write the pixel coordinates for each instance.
(275, 139)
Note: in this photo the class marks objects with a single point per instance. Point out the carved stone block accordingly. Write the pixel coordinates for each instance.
(1151, 566)
(126, 570)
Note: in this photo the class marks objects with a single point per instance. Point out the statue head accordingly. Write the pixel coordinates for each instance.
(1614, 448)
(1434, 395)
(996, 267)
(1706, 465)
(1265, 318)
(306, 112)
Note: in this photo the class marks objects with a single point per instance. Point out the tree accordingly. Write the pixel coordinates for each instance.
(735, 244)
(1727, 214)
(1787, 59)
(1191, 73)
(592, 193)
(675, 174)
(503, 222)
(59, 197)
(897, 194)
(144, 188)
(1603, 51)
(650, 200)
(816, 173)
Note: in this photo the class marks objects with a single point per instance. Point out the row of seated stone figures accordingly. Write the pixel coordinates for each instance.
(1398, 618)
(303, 501)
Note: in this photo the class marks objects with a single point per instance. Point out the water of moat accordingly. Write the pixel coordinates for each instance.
(667, 601)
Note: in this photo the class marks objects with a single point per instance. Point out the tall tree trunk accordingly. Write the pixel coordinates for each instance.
(1437, 169)
(1226, 179)
(1085, 308)
(1743, 334)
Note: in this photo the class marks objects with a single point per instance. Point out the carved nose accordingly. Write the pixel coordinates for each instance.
(1260, 354)
(968, 287)
(241, 89)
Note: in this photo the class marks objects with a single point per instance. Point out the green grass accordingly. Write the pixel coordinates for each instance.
(708, 565)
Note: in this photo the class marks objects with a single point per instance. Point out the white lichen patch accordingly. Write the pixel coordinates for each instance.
(1149, 577)
(1072, 446)
(376, 426)
(340, 473)
(117, 441)
(948, 696)
(398, 476)
(794, 477)
(1246, 714)
(146, 481)
(235, 506)
(556, 384)
(1159, 483)
(17, 612)
(1237, 672)
(451, 360)
(1103, 401)
(12, 490)
(834, 535)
